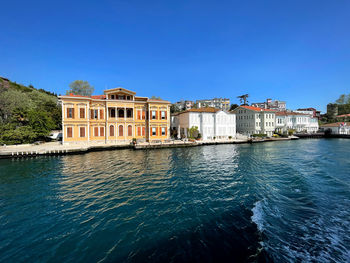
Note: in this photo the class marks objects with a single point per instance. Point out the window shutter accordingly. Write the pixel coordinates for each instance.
(156, 115)
(166, 131)
(160, 131)
(143, 131)
(91, 114)
(101, 114)
(102, 131)
(166, 113)
(69, 131)
(82, 113)
(143, 114)
(73, 113)
(96, 132)
(82, 131)
(138, 115)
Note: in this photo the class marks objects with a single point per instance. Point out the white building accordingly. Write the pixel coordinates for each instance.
(297, 121)
(211, 123)
(219, 103)
(337, 128)
(276, 105)
(254, 120)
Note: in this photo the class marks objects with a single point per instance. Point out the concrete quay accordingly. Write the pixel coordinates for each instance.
(56, 148)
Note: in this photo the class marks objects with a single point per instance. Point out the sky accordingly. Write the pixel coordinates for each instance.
(296, 51)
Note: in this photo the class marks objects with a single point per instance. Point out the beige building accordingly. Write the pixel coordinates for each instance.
(117, 116)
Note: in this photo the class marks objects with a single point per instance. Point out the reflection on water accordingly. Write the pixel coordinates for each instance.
(275, 201)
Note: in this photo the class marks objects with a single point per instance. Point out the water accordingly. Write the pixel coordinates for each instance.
(274, 202)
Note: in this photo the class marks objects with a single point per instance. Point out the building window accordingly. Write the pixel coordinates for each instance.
(102, 114)
(154, 131)
(139, 131)
(121, 130)
(82, 113)
(69, 132)
(95, 116)
(102, 131)
(70, 113)
(129, 113)
(143, 130)
(121, 113)
(163, 115)
(163, 131)
(111, 130)
(129, 130)
(120, 97)
(82, 132)
(112, 97)
(96, 131)
(112, 113)
(154, 115)
(128, 98)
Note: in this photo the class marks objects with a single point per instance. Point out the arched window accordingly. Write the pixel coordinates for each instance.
(111, 130)
(121, 130)
(129, 130)
(121, 113)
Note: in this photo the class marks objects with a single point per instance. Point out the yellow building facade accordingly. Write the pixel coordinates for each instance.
(116, 116)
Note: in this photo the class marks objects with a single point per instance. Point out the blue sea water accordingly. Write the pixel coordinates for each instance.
(269, 202)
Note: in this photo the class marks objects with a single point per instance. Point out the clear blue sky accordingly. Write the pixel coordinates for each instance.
(298, 51)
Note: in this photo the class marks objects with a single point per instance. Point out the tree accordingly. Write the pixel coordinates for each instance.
(155, 98)
(341, 99)
(243, 99)
(80, 87)
(233, 106)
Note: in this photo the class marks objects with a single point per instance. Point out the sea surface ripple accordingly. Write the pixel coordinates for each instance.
(270, 202)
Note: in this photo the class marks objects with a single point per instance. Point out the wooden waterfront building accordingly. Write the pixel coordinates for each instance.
(117, 116)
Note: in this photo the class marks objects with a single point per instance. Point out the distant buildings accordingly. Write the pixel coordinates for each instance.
(336, 128)
(254, 120)
(212, 123)
(276, 105)
(184, 105)
(299, 122)
(219, 103)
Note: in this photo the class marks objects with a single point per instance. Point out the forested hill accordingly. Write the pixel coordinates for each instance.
(26, 114)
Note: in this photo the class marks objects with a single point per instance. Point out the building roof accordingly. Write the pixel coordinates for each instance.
(343, 115)
(98, 97)
(207, 109)
(255, 108)
(335, 124)
(119, 89)
(289, 113)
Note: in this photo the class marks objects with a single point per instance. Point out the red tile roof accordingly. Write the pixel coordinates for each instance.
(288, 113)
(335, 124)
(343, 115)
(256, 108)
(98, 97)
(207, 109)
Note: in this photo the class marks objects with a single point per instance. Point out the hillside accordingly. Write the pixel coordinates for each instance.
(26, 114)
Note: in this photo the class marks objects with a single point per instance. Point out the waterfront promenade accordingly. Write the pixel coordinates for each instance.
(56, 148)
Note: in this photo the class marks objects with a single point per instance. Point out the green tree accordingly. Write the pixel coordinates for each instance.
(341, 99)
(233, 106)
(155, 98)
(80, 87)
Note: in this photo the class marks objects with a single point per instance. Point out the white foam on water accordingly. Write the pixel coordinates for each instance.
(258, 217)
